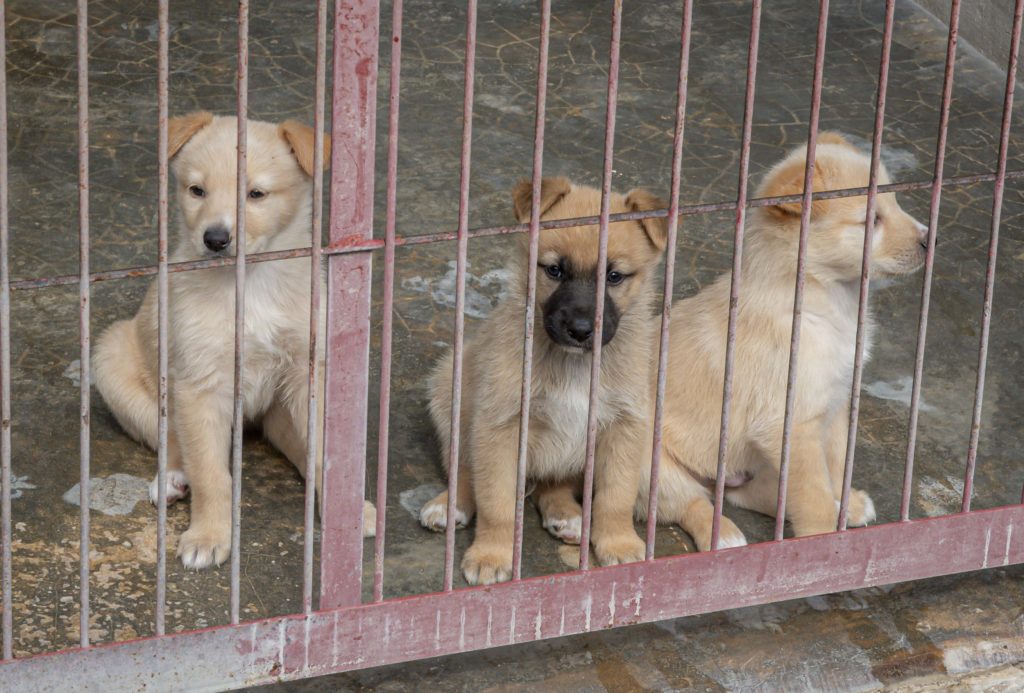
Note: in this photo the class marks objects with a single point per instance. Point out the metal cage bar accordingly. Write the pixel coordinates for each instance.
(5, 358)
(929, 260)
(599, 279)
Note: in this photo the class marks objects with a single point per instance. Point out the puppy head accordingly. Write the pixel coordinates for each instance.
(836, 236)
(279, 169)
(567, 259)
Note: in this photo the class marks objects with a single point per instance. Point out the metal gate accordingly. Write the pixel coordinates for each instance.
(345, 633)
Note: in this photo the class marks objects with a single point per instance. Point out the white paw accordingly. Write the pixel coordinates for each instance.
(568, 529)
(177, 487)
(869, 510)
(369, 519)
(201, 548)
(731, 541)
(435, 516)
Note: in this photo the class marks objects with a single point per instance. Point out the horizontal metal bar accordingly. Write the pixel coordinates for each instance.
(359, 244)
(293, 647)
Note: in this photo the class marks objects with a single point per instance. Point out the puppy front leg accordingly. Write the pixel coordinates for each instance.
(811, 507)
(202, 421)
(493, 452)
(621, 449)
(861, 509)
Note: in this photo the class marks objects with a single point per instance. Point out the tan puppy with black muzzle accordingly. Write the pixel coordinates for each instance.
(275, 377)
(560, 386)
(693, 400)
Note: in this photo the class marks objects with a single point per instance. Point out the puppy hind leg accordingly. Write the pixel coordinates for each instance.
(560, 512)
(434, 513)
(120, 374)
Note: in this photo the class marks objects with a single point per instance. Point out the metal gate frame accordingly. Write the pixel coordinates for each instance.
(347, 634)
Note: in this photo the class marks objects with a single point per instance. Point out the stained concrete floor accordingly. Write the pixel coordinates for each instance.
(951, 626)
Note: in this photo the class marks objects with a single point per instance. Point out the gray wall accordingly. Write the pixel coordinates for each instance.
(985, 24)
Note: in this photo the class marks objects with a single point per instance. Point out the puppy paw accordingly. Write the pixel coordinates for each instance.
(434, 515)
(369, 520)
(861, 511)
(176, 484)
(621, 548)
(568, 529)
(203, 547)
(486, 564)
(729, 536)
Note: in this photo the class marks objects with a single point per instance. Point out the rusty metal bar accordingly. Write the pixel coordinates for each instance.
(356, 246)
(238, 419)
(737, 268)
(460, 291)
(315, 279)
(83, 313)
(531, 287)
(670, 266)
(993, 248)
(865, 272)
(798, 298)
(5, 357)
(929, 261)
(601, 271)
(163, 329)
(291, 647)
(384, 419)
(353, 126)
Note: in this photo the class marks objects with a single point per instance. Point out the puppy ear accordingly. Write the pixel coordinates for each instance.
(787, 178)
(833, 137)
(301, 138)
(551, 191)
(656, 227)
(181, 129)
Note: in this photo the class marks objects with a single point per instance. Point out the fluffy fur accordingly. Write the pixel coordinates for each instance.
(693, 402)
(202, 307)
(560, 387)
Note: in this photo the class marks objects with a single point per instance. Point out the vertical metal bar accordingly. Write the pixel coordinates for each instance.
(737, 268)
(601, 271)
(162, 314)
(929, 261)
(83, 315)
(5, 356)
(384, 420)
(354, 109)
(531, 286)
(315, 277)
(865, 273)
(242, 193)
(670, 266)
(798, 298)
(993, 247)
(460, 290)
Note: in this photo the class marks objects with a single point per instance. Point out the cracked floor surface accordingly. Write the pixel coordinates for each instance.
(875, 637)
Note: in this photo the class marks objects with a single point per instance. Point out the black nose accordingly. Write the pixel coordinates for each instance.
(580, 329)
(216, 238)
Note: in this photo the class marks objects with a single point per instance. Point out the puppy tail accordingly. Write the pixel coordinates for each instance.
(119, 373)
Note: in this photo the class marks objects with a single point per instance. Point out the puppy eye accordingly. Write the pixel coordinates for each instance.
(256, 194)
(554, 271)
(197, 191)
(614, 278)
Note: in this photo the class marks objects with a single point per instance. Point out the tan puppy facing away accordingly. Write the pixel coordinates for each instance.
(693, 402)
(560, 386)
(202, 308)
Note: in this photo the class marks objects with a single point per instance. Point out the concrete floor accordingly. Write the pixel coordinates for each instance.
(952, 626)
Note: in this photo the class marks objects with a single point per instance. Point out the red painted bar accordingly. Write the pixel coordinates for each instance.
(798, 298)
(929, 261)
(993, 248)
(83, 314)
(602, 261)
(163, 329)
(356, 27)
(384, 420)
(865, 272)
(398, 630)
(460, 289)
(315, 278)
(531, 287)
(737, 268)
(238, 419)
(670, 266)
(5, 359)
